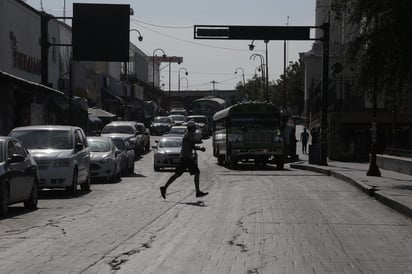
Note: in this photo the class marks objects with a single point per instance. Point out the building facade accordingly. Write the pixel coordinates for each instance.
(350, 111)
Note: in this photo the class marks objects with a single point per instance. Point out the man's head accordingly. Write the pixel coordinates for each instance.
(191, 126)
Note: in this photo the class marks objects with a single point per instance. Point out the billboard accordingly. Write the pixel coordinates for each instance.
(101, 32)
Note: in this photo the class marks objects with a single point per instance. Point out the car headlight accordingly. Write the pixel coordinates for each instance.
(235, 138)
(105, 160)
(132, 141)
(61, 163)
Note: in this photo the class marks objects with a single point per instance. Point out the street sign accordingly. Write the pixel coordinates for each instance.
(251, 32)
(166, 59)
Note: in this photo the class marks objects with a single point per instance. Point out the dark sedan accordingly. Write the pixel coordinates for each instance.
(18, 175)
(161, 125)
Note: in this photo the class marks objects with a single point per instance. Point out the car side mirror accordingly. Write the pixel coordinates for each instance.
(79, 146)
(16, 158)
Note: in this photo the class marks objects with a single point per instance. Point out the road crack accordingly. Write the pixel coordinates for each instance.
(122, 258)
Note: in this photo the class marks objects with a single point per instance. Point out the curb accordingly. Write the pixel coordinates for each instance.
(384, 199)
(371, 191)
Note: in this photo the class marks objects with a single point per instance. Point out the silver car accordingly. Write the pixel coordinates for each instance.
(167, 152)
(18, 175)
(180, 131)
(104, 159)
(61, 153)
(126, 152)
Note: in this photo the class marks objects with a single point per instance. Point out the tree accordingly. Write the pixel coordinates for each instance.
(294, 97)
(380, 51)
(254, 89)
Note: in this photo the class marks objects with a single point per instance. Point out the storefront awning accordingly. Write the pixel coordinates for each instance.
(101, 113)
(108, 95)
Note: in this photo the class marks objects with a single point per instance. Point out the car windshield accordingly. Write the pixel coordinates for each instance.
(1, 151)
(162, 120)
(97, 145)
(176, 142)
(179, 118)
(119, 144)
(127, 129)
(177, 130)
(45, 139)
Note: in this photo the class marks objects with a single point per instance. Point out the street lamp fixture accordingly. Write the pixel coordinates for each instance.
(186, 73)
(243, 74)
(262, 65)
(140, 35)
(153, 61)
(251, 46)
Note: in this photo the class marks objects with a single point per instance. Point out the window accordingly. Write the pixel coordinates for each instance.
(11, 150)
(20, 149)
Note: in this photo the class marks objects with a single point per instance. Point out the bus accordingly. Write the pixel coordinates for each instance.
(248, 131)
(208, 106)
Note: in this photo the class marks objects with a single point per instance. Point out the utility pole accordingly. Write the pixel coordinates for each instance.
(214, 83)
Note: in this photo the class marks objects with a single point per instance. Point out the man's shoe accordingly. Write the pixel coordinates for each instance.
(163, 192)
(201, 194)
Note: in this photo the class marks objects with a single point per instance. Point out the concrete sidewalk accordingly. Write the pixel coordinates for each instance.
(392, 189)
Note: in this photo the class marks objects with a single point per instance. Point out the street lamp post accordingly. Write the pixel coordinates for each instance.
(186, 73)
(153, 62)
(267, 72)
(262, 65)
(187, 82)
(243, 74)
(125, 68)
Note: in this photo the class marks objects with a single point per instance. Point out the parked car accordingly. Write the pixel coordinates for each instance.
(18, 175)
(104, 159)
(203, 123)
(143, 137)
(137, 133)
(178, 119)
(181, 130)
(161, 125)
(126, 152)
(167, 152)
(61, 153)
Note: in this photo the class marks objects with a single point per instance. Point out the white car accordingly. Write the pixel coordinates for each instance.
(62, 155)
(180, 131)
(104, 159)
(167, 152)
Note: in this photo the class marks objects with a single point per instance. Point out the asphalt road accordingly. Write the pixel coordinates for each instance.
(252, 221)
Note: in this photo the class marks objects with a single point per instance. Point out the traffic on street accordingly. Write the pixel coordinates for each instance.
(254, 220)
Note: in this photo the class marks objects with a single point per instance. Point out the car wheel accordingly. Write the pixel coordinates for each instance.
(86, 185)
(156, 168)
(72, 190)
(4, 199)
(32, 201)
(131, 169)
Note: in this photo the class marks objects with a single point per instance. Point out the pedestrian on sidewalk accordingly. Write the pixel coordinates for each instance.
(304, 138)
(187, 161)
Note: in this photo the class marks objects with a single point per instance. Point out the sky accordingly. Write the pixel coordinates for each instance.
(169, 25)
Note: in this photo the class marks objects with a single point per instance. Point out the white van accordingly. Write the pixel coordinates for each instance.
(61, 153)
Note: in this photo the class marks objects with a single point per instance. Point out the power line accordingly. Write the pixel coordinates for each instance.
(187, 41)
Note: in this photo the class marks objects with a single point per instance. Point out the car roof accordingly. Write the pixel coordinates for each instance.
(47, 127)
(171, 137)
(5, 138)
(98, 138)
(116, 135)
(190, 116)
